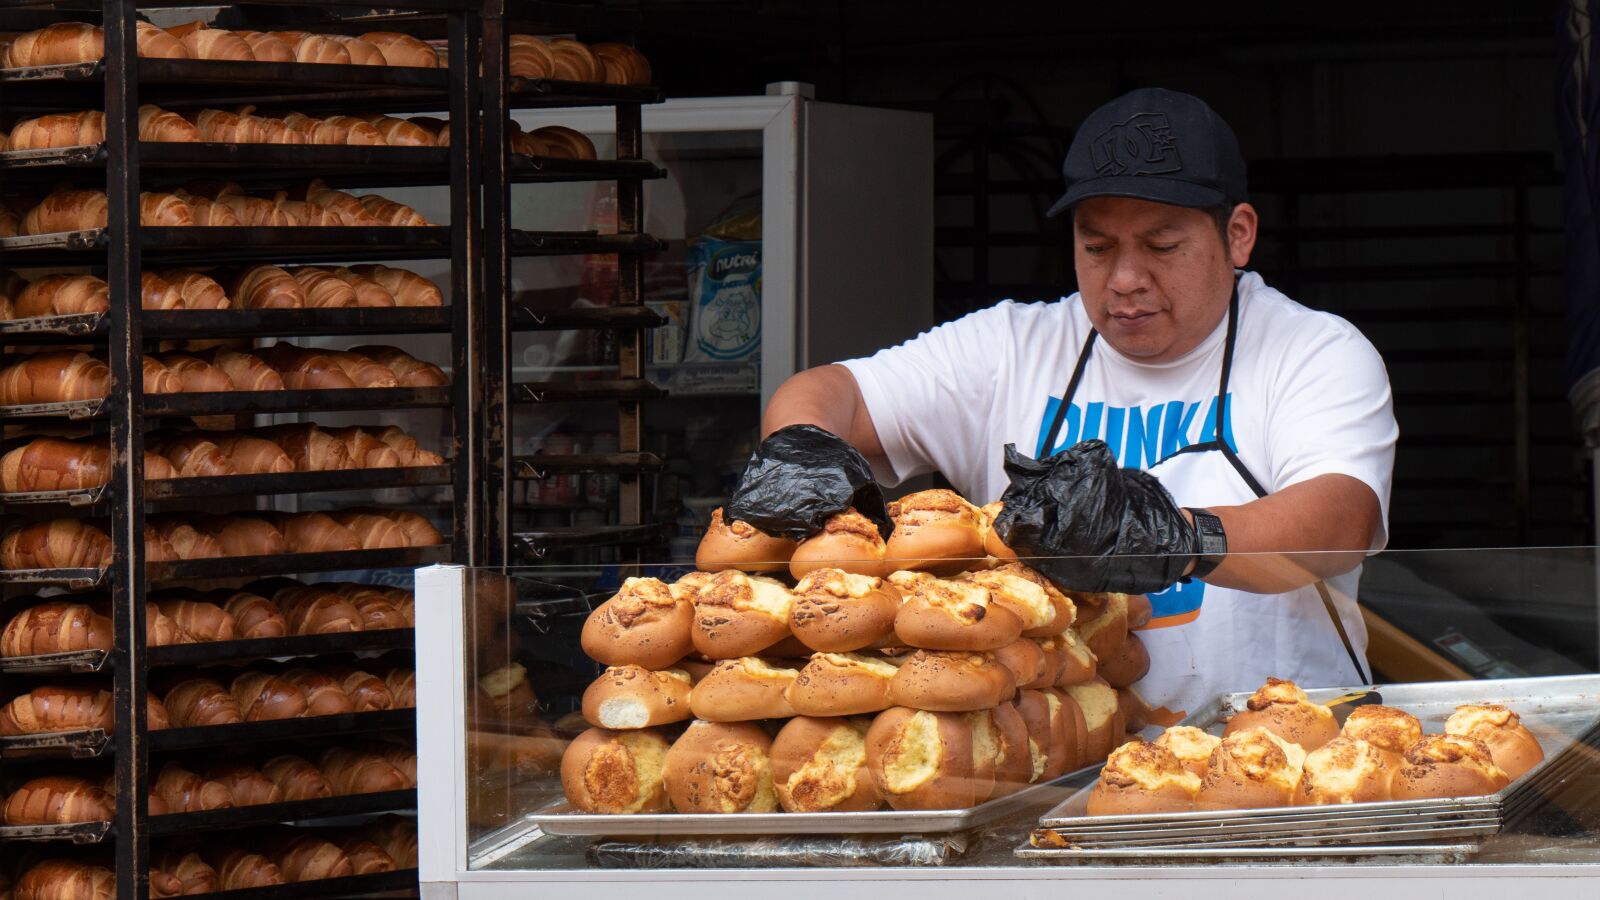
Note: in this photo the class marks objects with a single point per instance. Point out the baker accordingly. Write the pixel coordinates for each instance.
(1177, 427)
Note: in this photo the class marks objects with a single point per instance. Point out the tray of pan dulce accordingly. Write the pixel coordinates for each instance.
(1402, 769)
(847, 684)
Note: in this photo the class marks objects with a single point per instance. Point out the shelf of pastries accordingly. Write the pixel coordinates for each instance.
(278, 459)
(268, 619)
(918, 673)
(548, 72)
(73, 384)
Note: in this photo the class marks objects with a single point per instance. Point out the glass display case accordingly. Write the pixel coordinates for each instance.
(510, 688)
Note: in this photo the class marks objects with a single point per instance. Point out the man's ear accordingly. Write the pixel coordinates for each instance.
(1241, 234)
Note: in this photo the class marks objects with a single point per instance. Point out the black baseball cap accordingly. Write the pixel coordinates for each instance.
(1158, 145)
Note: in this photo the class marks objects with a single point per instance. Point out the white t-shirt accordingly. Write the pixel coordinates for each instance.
(1308, 396)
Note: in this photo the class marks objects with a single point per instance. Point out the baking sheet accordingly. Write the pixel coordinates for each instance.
(1433, 854)
(1562, 713)
(559, 819)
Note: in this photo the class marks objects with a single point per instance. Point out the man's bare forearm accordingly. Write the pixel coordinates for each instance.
(829, 398)
(1308, 531)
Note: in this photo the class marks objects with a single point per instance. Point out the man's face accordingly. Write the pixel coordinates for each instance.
(1156, 279)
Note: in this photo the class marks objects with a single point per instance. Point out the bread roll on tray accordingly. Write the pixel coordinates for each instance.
(941, 614)
(820, 765)
(847, 541)
(1102, 714)
(643, 625)
(1282, 708)
(1192, 746)
(1448, 765)
(935, 530)
(1251, 769)
(720, 767)
(616, 772)
(1043, 609)
(1391, 730)
(1345, 770)
(834, 611)
(921, 759)
(744, 689)
(55, 626)
(1143, 778)
(57, 800)
(739, 615)
(632, 697)
(296, 778)
(842, 684)
(1104, 630)
(245, 783)
(1053, 735)
(739, 545)
(1514, 748)
(951, 681)
(1013, 765)
(1129, 663)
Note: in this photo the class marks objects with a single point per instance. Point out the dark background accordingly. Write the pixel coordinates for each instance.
(1404, 157)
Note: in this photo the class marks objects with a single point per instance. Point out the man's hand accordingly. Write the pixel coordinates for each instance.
(1094, 526)
(799, 477)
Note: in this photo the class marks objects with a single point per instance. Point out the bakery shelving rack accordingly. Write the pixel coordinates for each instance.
(504, 542)
(125, 166)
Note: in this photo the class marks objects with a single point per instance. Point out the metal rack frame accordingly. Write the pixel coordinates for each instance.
(125, 165)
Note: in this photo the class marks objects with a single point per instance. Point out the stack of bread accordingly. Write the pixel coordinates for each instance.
(1285, 750)
(565, 59)
(919, 673)
(255, 860)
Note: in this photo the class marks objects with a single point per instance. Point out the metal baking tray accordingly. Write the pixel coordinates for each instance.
(1329, 836)
(1561, 712)
(558, 818)
(1436, 854)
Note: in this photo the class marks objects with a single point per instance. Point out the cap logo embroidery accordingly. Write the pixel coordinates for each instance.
(1143, 145)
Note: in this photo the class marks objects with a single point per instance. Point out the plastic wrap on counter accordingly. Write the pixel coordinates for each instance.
(781, 851)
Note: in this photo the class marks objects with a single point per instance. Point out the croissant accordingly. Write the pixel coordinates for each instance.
(402, 758)
(194, 374)
(411, 453)
(68, 210)
(158, 379)
(377, 611)
(362, 53)
(565, 143)
(402, 49)
(313, 609)
(199, 619)
(247, 785)
(55, 708)
(375, 532)
(353, 131)
(187, 541)
(297, 778)
(365, 449)
(533, 145)
(267, 48)
(200, 291)
(253, 455)
(157, 124)
(156, 43)
(324, 696)
(530, 57)
(194, 874)
(362, 370)
(246, 371)
(402, 684)
(357, 772)
(397, 132)
(267, 287)
(302, 369)
(369, 294)
(10, 226)
(419, 531)
(366, 857)
(184, 791)
(239, 869)
(212, 214)
(54, 464)
(156, 547)
(62, 295)
(55, 544)
(398, 838)
(304, 214)
(242, 535)
(317, 48)
(193, 455)
(367, 691)
(54, 377)
(388, 212)
(166, 210)
(264, 697)
(58, 44)
(223, 127)
(310, 858)
(213, 43)
(57, 800)
(323, 289)
(310, 448)
(58, 130)
(622, 64)
(255, 616)
(403, 600)
(66, 879)
(407, 369)
(200, 702)
(256, 212)
(350, 210)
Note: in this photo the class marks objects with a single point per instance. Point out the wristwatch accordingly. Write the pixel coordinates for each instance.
(1213, 542)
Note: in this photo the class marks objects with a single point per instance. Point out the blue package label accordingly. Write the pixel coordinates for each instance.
(725, 300)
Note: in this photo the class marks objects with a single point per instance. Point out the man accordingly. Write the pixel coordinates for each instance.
(1270, 425)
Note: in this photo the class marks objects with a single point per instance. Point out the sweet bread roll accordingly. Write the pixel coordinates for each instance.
(245, 783)
(1028, 665)
(1013, 765)
(1043, 609)
(266, 48)
(198, 619)
(1281, 707)
(360, 772)
(197, 702)
(985, 752)
(1105, 631)
(407, 287)
(739, 615)
(51, 708)
(1055, 733)
(615, 772)
(408, 371)
(1101, 715)
(631, 697)
(848, 541)
(1078, 662)
(643, 625)
(362, 53)
(184, 791)
(402, 49)
(239, 868)
(242, 536)
(265, 697)
(297, 778)
(1391, 730)
(740, 545)
(254, 616)
(507, 695)
(720, 767)
(194, 874)
(1141, 778)
(1514, 748)
(820, 765)
(186, 541)
(741, 690)
(834, 611)
(1448, 765)
(402, 685)
(54, 377)
(939, 614)
(951, 681)
(325, 696)
(55, 626)
(1251, 769)
(1129, 663)
(378, 611)
(622, 63)
(1345, 770)
(57, 800)
(992, 544)
(66, 879)
(842, 684)
(1192, 746)
(573, 61)
(366, 857)
(367, 691)
(529, 57)
(921, 759)
(935, 531)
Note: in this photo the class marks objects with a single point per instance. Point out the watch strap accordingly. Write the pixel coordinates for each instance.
(1213, 543)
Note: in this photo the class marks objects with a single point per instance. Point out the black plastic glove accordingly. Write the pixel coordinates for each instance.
(800, 476)
(1112, 529)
